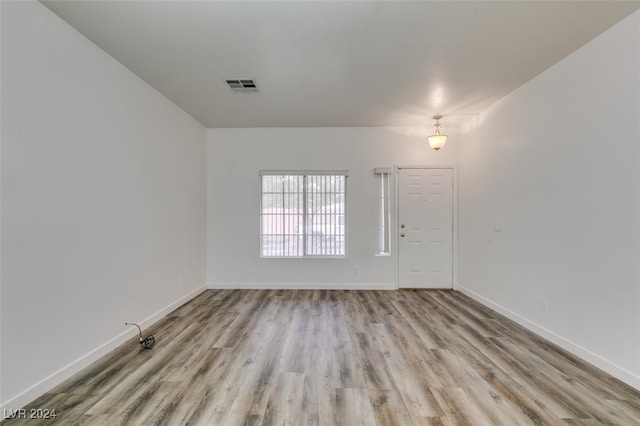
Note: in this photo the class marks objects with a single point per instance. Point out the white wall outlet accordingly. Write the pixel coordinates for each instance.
(544, 306)
(497, 227)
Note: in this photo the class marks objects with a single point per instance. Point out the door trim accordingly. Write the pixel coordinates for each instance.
(396, 217)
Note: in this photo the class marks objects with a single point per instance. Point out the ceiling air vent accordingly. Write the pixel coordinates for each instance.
(242, 85)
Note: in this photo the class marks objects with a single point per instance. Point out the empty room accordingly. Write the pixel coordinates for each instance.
(320, 212)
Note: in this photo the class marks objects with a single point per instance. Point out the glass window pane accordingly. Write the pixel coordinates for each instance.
(303, 215)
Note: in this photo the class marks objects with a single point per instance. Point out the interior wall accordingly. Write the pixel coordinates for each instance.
(550, 203)
(235, 156)
(103, 203)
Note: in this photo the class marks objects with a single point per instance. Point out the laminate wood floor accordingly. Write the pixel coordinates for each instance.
(285, 357)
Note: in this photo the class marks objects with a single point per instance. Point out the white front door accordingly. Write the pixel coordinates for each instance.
(425, 220)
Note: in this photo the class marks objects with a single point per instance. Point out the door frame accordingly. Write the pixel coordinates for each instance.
(454, 219)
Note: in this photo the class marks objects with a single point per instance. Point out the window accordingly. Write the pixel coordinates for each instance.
(384, 209)
(303, 213)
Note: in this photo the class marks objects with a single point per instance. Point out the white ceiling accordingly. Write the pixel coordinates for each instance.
(339, 63)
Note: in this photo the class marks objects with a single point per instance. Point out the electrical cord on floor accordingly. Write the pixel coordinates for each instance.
(146, 342)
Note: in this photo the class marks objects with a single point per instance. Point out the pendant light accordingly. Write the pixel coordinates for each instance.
(437, 141)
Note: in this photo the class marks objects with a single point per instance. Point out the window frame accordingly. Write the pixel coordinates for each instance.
(305, 216)
(384, 180)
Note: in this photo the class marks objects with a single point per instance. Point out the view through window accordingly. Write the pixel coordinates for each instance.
(303, 214)
(384, 218)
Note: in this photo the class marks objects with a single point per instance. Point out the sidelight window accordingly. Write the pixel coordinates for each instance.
(383, 176)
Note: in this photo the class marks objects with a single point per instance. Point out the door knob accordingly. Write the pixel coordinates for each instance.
(402, 235)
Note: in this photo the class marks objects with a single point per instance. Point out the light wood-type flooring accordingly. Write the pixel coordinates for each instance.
(289, 357)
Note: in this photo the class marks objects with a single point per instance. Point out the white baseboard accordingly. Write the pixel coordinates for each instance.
(301, 286)
(64, 373)
(616, 371)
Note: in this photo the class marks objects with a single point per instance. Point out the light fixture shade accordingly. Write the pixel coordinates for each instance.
(437, 141)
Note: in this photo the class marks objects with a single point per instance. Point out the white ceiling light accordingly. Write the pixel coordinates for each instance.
(437, 141)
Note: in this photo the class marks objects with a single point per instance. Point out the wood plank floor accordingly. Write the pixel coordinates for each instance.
(285, 357)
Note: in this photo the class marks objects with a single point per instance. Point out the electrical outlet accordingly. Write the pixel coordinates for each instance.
(544, 305)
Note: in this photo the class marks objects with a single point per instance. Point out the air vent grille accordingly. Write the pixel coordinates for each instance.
(242, 85)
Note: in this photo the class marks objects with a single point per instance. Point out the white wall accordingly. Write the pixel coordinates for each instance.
(557, 165)
(236, 155)
(103, 203)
